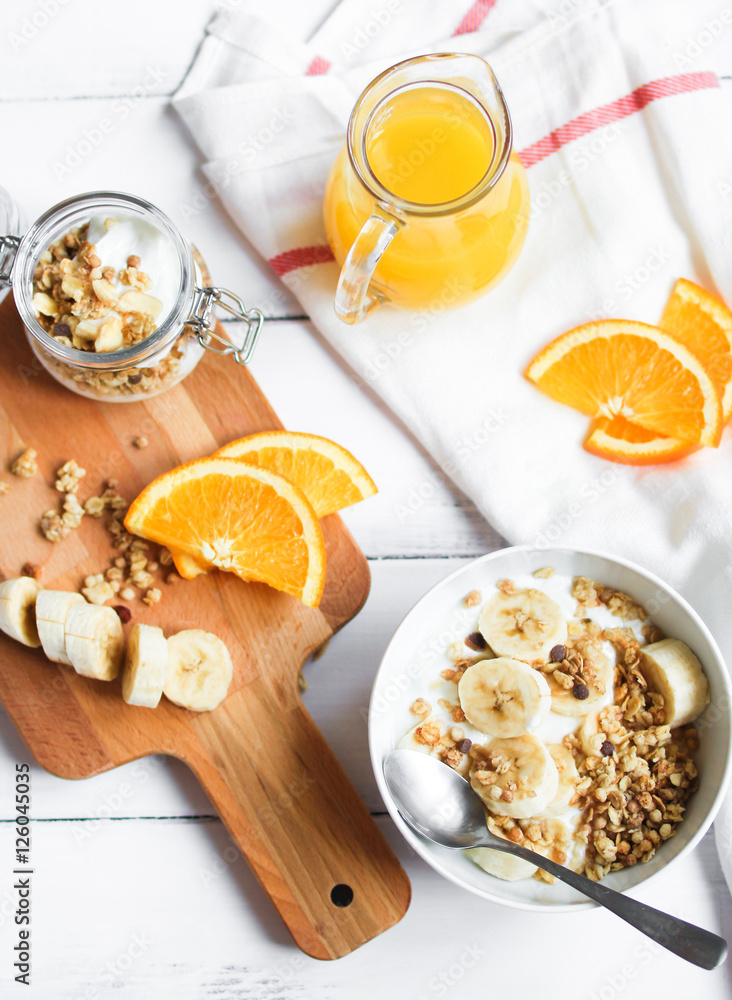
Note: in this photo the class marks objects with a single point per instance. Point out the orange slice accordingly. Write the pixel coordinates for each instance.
(618, 440)
(623, 368)
(238, 518)
(329, 475)
(703, 323)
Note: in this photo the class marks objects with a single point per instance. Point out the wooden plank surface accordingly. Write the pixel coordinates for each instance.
(260, 746)
(110, 864)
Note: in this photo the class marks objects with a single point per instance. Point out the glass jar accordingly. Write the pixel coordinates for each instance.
(164, 356)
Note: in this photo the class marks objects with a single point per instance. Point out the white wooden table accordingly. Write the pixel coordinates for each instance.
(138, 891)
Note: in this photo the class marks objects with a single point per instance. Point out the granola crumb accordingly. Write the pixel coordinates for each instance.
(96, 589)
(69, 476)
(94, 506)
(472, 599)
(506, 586)
(3, 488)
(52, 527)
(428, 733)
(652, 633)
(544, 573)
(166, 557)
(25, 464)
(152, 596)
(172, 578)
(140, 442)
(420, 707)
(127, 594)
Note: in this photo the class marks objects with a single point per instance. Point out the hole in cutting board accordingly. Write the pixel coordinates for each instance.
(341, 894)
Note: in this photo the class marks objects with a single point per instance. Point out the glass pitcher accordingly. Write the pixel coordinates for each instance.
(427, 205)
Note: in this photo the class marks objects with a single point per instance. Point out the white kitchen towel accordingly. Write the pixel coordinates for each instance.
(621, 115)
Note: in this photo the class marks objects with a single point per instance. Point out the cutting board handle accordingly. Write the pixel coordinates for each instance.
(290, 808)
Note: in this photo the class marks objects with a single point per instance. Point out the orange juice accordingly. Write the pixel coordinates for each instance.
(428, 147)
(433, 156)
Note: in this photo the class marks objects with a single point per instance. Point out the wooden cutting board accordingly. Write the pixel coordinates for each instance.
(279, 789)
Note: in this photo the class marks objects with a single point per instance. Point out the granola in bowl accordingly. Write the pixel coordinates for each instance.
(571, 714)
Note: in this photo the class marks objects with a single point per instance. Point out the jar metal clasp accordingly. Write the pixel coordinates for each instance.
(8, 249)
(204, 321)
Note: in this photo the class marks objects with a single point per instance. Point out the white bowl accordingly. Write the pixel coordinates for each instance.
(408, 667)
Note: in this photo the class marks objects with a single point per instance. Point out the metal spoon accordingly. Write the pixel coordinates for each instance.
(440, 805)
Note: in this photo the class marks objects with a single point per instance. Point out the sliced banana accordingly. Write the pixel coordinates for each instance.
(145, 667)
(504, 697)
(52, 608)
(199, 670)
(504, 866)
(525, 625)
(555, 840)
(590, 735)
(564, 698)
(674, 672)
(94, 640)
(18, 609)
(568, 778)
(515, 777)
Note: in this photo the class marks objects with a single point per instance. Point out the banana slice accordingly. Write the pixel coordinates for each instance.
(199, 670)
(568, 778)
(672, 670)
(52, 608)
(591, 735)
(94, 640)
(504, 697)
(524, 625)
(18, 609)
(503, 866)
(146, 666)
(515, 777)
(565, 700)
(553, 839)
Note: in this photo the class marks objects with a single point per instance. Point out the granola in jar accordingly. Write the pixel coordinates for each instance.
(116, 304)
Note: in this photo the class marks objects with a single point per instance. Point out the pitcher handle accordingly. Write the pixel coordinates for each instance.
(353, 302)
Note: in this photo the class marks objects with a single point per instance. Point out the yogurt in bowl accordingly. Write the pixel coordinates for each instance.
(523, 672)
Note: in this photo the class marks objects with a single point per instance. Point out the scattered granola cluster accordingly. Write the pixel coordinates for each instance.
(573, 665)
(56, 525)
(451, 745)
(131, 572)
(633, 789)
(591, 595)
(25, 464)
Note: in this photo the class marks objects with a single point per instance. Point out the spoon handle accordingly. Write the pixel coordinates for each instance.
(692, 943)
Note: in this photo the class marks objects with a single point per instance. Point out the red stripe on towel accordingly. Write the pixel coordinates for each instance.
(614, 111)
(317, 67)
(292, 260)
(475, 17)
